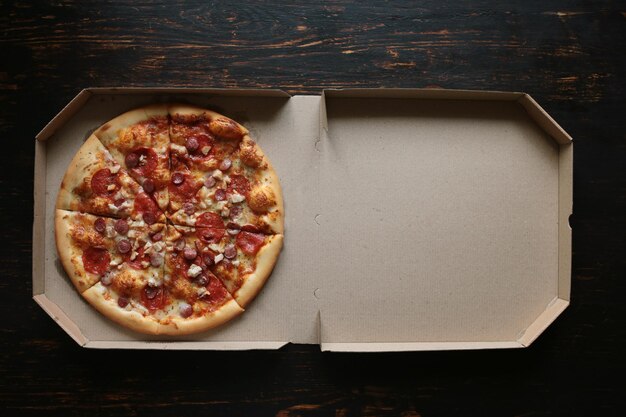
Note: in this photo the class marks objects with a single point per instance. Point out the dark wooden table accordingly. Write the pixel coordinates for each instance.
(569, 55)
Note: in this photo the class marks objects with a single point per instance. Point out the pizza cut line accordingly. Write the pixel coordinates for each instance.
(169, 219)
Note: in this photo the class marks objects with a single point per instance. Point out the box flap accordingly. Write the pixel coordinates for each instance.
(554, 309)
(61, 318)
(39, 218)
(64, 115)
(543, 119)
(439, 220)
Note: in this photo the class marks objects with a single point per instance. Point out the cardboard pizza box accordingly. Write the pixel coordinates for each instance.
(416, 219)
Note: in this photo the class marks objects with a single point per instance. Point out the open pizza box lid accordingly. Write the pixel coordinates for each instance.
(415, 219)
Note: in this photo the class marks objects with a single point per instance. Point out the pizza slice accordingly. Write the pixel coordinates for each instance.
(96, 249)
(201, 143)
(242, 259)
(199, 299)
(95, 183)
(130, 291)
(139, 141)
(238, 183)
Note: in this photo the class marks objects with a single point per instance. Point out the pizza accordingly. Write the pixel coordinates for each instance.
(169, 219)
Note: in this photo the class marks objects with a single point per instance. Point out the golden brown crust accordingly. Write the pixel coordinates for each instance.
(265, 260)
(275, 216)
(250, 154)
(179, 326)
(265, 199)
(261, 199)
(105, 302)
(218, 124)
(70, 253)
(109, 131)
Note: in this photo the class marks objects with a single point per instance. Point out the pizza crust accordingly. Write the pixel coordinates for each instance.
(269, 185)
(275, 216)
(82, 165)
(189, 110)
(175, 326)
(71, 255)
(107, 306)
(108, 132)
(105, 301)
(265, 260)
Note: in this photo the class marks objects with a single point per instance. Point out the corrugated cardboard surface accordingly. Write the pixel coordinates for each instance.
(431, 221)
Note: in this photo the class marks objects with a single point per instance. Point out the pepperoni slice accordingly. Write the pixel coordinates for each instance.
(250, 228)
(240, 184)
(209, 235)
(96, 260)
(104, 183)
(153, 298)
(212, 220)
(146, 161)
(250, 243)
(216, 292)
(144, 204)
(201, 280)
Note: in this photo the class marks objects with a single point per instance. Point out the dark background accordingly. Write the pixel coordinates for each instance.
(569, 55)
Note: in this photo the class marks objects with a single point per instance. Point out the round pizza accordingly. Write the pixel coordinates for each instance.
(169, 219)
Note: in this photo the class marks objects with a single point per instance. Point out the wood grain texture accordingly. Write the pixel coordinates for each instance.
(569, 55)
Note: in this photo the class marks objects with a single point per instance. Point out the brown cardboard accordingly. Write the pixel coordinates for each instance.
(415, 219)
